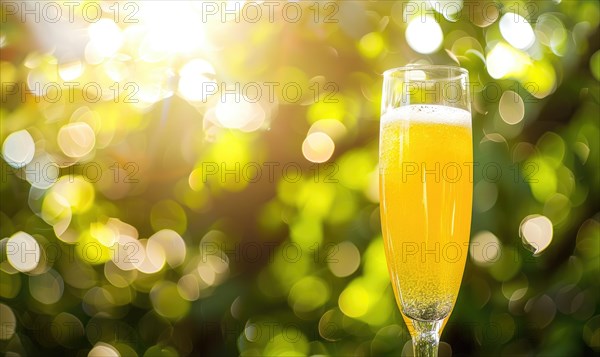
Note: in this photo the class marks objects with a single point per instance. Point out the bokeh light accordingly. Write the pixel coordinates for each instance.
(23, 252)
(46, 288)
(516, 30)
(201, 178)
(503, 61)
(536, 232)
(8, 323)
(103, 350)
(347, 260)
(424, 34)
(105, 38)
(76, 139)
(511, 107)
(485, 248)
(195, 82)
(239, 112)
(18, 148)
(318, 147)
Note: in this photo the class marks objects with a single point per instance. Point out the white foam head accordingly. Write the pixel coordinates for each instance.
(435, 114)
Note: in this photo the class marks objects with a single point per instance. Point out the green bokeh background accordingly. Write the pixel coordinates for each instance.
(293, 263)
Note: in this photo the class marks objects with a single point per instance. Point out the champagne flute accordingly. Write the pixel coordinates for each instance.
(426, 189)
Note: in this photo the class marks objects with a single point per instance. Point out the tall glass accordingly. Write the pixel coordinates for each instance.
(426, 190)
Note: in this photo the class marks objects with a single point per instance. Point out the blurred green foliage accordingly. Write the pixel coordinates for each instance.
(291, 262)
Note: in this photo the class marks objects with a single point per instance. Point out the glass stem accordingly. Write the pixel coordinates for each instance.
(426, 338)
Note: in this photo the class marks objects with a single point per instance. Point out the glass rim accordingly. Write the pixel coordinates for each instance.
(416, 66)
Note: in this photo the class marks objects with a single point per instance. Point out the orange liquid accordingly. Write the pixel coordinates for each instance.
(426, 198)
